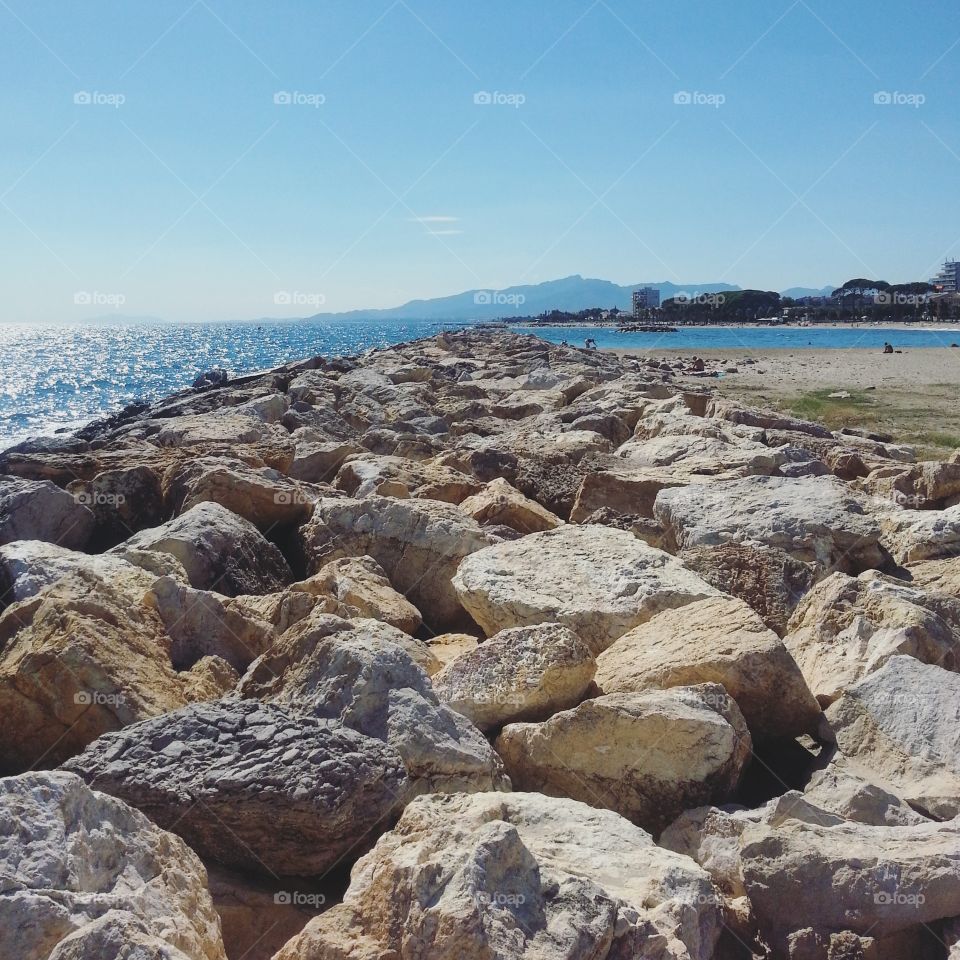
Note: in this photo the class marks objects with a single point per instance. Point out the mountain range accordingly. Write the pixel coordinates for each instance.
(570, 294)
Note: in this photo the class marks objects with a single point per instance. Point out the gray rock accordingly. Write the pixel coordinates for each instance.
(219, 551)
(38, 510)
(252, 785)
(86, 877)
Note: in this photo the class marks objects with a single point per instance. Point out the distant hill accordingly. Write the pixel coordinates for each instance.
(571, 294)
(796, 292)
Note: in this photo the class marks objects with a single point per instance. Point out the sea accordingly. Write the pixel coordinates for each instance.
(55, 378)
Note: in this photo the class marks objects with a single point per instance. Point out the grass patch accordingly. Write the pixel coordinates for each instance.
(858, 409)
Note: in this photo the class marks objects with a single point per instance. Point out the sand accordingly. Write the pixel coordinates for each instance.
(913, 395)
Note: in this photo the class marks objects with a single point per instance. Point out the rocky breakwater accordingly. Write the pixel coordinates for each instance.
(476, 646)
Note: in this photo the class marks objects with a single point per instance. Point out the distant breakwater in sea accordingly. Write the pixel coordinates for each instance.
(60, 377)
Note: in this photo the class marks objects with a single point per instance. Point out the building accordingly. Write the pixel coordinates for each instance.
(644, 299)
(948, 279)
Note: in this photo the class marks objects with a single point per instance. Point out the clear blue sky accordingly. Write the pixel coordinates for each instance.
(199, 197)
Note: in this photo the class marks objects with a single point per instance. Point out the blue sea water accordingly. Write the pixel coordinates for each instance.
(54, 377)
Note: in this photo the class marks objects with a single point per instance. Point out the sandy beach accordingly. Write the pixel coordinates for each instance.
(912, 394)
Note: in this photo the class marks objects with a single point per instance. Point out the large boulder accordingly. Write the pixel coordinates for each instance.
(85, 877)
(251, 785)
(815, 519)
(631, 491)
(912, 536)
(771, 581)
(419, 544)
(81, 658)
(809, 884)
(363, 674)
(716, 640)
(219, 551)
(500, 504)
(38, 510)
(902, 724)
(817, 886)
(387, 476)
(847, 627)
(265, 497)
(27, 566)
(524, 673)
(514, 876)
(930, 485)
(361, 589)
(938, 576)
(649, 756)
(598, 581)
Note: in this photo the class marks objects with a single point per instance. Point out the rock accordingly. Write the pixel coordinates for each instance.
(219, 551)
(851, 795)
(901, 724)
(769, 580)
(524, 673)
(28, 566)
(598, 581)
(318, 460)
(123, 501)
(516, 875)
(418, 543)
(363, 675)
(721, 408)
(847, 627)
(912, 536)
(253, 786)
(79, 659)
(446, 647)
(368, 474)
(648, 756)
(210, 378)
(88, 878)
(263, 496)
(894, 879)
(930, 485)
(815, 519)
(258, 916)
(686, 458)
(361, 589)
(627, 491)
(38, 510)
(716, 640)
(500, 504)
(202, 623)
(222, 429)
(937, 576)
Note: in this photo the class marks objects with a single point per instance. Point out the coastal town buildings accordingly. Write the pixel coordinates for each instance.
(948, 279)
(644, 299)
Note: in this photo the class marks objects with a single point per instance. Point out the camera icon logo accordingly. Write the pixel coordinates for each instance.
(82, 97)
(483, 298)
(683, 97)
(882, 98)
(282, 98)
(83, 698)
(482, 98)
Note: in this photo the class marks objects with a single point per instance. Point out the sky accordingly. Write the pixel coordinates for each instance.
(206, 160)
